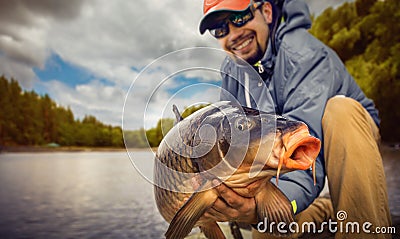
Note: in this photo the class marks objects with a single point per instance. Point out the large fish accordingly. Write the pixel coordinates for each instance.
(238, 146)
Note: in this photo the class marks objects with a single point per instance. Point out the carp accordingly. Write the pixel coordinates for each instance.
(240, 147)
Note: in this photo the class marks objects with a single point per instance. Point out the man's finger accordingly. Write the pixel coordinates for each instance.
(216, 215)
(228, 195)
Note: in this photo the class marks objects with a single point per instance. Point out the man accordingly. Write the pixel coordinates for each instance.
(302, 79)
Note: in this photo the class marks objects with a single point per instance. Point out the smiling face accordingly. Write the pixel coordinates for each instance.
(250, 41)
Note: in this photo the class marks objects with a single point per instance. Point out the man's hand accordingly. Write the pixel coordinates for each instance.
(230, 206)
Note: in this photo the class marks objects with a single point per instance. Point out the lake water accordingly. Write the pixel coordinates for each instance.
(94, 195)
(76, 195)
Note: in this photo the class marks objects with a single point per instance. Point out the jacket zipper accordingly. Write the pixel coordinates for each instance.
(260, 67)
(260, 71)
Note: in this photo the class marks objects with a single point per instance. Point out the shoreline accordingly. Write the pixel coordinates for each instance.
(39, 149)
(384, 148)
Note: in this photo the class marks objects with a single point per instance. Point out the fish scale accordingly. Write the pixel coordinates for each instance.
(183, 189)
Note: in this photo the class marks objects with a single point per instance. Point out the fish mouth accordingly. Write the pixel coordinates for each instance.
(300, 151)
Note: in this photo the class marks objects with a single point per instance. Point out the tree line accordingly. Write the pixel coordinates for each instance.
(365, 35)
(152, 137)
(27, 118)
(30, 119)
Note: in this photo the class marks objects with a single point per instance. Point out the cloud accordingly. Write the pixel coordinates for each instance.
(24, 27)
(98, 35)
(113, 41)
(26, 12)
(142, 113)
(318, 6)
(183, 77)
(94, 98)
(133, 33)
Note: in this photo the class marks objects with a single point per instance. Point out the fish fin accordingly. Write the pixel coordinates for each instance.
(187, 216)
(178, 115)
(212, 231)
(274, 206)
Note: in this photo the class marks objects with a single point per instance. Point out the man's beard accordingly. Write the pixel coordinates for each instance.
(256, 56)
(251, 60)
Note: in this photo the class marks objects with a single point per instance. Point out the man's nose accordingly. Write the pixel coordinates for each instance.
(234, 32)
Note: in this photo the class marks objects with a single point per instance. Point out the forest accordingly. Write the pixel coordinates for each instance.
(364, 33)
(27, 118)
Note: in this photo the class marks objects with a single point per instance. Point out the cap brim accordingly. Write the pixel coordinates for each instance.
(226, 6)
(211, 19)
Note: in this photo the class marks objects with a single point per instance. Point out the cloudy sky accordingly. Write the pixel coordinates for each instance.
(96, 55)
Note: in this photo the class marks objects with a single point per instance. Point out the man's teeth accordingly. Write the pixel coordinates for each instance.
(244, 44)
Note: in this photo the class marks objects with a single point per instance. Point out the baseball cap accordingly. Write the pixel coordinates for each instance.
(211, 7)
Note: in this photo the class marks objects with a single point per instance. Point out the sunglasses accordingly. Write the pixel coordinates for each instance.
(237, 19)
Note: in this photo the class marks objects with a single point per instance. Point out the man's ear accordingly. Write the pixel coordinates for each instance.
(266, 10)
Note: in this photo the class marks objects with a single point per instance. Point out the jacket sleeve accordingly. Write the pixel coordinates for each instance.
(312, 74)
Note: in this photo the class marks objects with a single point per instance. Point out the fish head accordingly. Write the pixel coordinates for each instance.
(257, 143)
(293, 147)
(229, 141)
(233, 136)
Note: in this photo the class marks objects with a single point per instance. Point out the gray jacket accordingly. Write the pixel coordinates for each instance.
(297, 82)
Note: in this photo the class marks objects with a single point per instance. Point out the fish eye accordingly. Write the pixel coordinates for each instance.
(243, 124)
(240, 127)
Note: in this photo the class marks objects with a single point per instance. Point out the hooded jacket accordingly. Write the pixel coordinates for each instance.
(299, 76)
